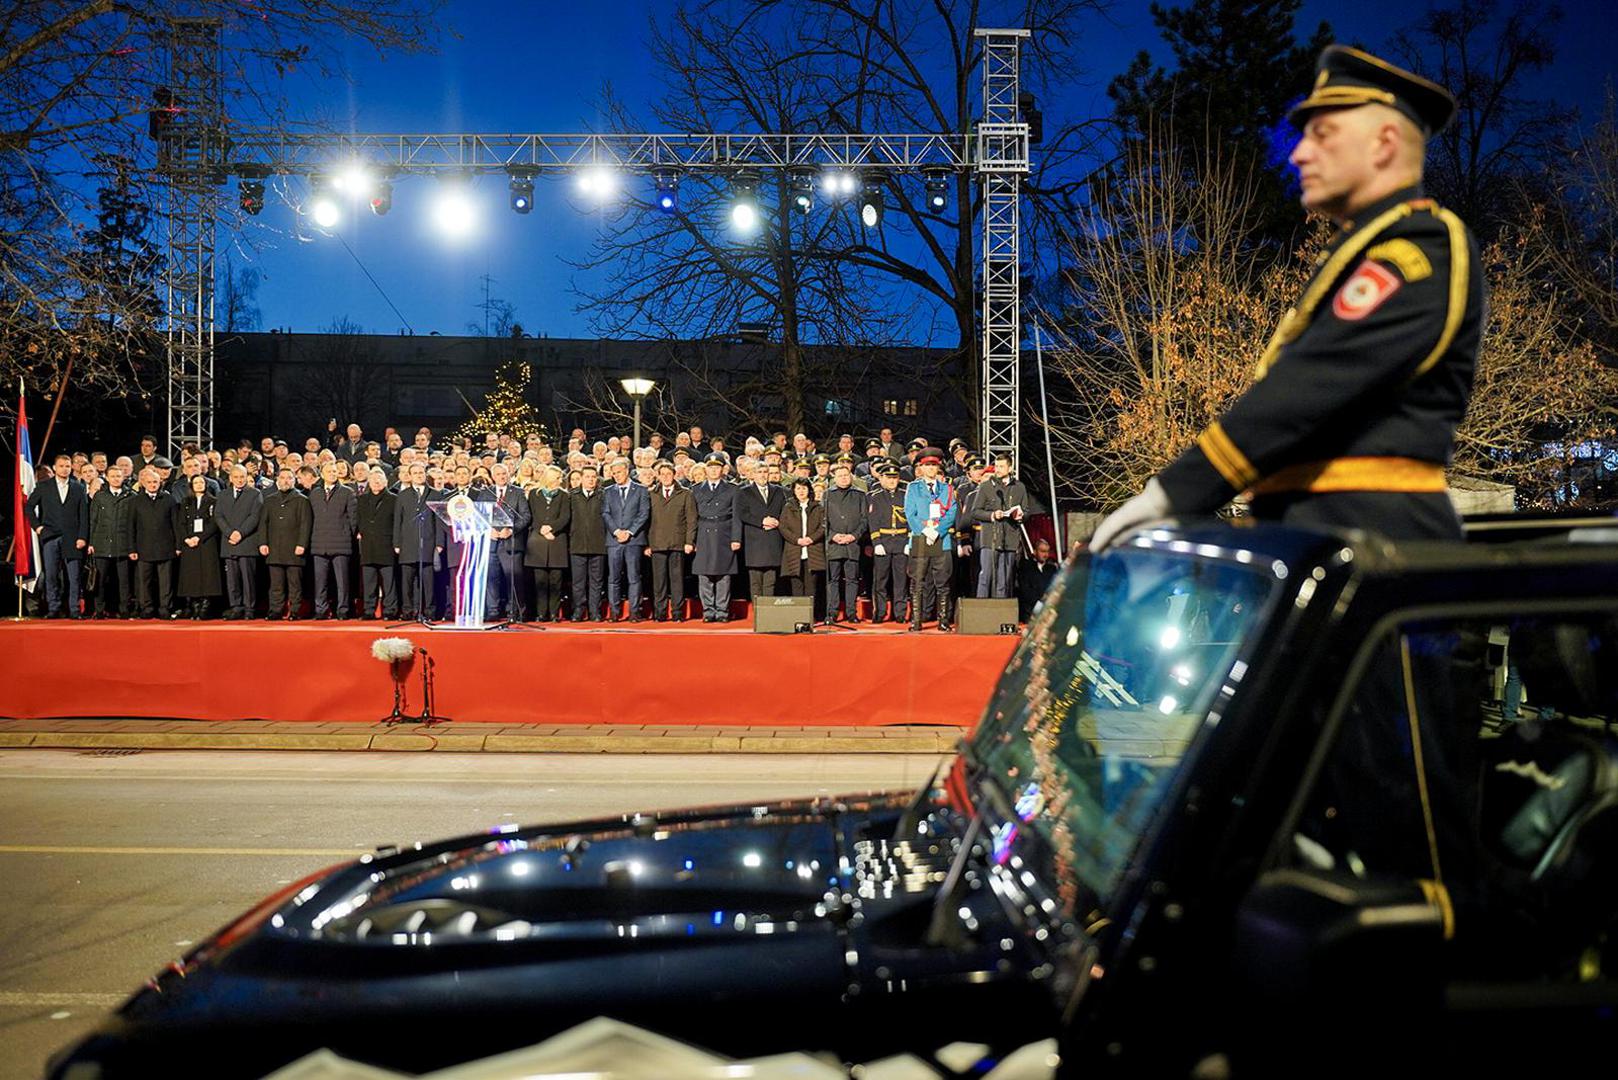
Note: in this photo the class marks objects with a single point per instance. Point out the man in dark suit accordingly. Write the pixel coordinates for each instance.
(625, 512)
(506, 551)
(671, 535)
(374, 511)
(284, 542)
(153, 547)
(331, 540)
(846, 527)
(998, 508)
(59, 511)
(719, 538)
(418, 542)
(236, 512)
(758, 509)
(111, 533)
(587, 547)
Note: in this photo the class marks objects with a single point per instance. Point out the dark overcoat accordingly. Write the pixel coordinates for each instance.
(373, 520)
(557, 512)
(717, 529)
(200, 573)
(761, 547)
(792, 527)
(285, 524)
(152, 519)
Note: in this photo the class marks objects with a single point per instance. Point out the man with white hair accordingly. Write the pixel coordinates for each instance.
(236, 512)
(1353, 417)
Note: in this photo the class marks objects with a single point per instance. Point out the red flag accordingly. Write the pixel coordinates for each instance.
(25, 543)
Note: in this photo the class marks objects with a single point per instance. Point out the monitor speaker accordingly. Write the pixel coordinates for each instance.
(987, 617)
(789, 614)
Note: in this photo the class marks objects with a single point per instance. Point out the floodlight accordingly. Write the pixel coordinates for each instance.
(453, 212)
(937, 191)
(354, 180)
(667, 194)
(744, 213)
(871, 203)
(599, 183)
(803, 192)
(840, 183)
(522, 194)
(323, 206)
(381, 198)
(251, 196)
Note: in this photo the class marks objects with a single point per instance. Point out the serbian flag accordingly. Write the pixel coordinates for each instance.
(24, 541)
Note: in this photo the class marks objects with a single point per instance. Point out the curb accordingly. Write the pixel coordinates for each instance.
(940, 742)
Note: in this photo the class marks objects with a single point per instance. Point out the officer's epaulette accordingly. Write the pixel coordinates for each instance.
(1411, 262)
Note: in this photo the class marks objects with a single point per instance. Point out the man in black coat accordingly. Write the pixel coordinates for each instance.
(373, 527)
(237, 511)
(587, 548)
(331, 540)
(111, 534)
(890, 570)
(846, 526)
(719, 538)
(285, 524)
(508, 543)
(1034, 576)
(758, 509)
(59, 511)
(998, 509)
(417, 541)
(153, 546)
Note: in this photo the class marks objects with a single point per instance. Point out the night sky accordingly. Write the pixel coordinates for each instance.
(524, 67)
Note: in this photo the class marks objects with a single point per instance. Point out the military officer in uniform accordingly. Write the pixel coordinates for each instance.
(719, 538)
(931, 510)
(1353, 416)
(885, 513)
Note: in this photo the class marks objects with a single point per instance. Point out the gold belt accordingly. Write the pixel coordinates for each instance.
(1356, 474)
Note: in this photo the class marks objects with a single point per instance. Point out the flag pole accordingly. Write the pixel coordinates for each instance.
(1045, 418)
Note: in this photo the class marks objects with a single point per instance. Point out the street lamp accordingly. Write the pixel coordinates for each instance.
(637, 389)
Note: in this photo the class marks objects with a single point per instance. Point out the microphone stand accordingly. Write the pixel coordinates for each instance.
(427, 716)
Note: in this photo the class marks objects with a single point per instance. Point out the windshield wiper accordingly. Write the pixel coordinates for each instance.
(906, 828)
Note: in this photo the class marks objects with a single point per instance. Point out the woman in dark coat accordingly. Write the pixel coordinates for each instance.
(802, 564)
(547, 554)
(201, 577)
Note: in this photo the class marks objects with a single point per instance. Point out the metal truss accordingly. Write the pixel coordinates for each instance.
(196, 152)
(263, 154)
(1001, 161)
(189, 157)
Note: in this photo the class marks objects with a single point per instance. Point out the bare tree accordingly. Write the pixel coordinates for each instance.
(236, 309)
(344, 380)
(1581, 225)
(78, 80)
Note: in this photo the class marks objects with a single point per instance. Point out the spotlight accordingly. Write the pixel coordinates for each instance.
(871, 203)
(251, 196)
(354, 180)
(744, 202)
(599, 183)
(452, 212)
(803, 193)
(840, 183)
(381, 198)
(937, 191)
(522, 194)
(667, 194)
(323, 204)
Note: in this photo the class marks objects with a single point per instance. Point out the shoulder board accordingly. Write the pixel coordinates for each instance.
(1411, 262)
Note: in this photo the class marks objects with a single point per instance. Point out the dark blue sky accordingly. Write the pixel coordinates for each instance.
(530, 67)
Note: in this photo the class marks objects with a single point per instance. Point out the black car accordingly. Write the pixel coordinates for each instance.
(1244, 801)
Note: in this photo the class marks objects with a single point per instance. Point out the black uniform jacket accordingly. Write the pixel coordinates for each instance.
(1367, 376)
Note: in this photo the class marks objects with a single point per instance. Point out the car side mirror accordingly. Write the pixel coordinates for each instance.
(1317, 952)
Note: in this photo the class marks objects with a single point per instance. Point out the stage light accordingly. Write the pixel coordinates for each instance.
(354, 180)
(667, 194)
(744, 214)
(452, 211)
(871, 203)
(803, 193)
(381, 198)
(251, 196)
(522, 194)
(323, 206)
(937, 191)
(840, 183)
(599, 183)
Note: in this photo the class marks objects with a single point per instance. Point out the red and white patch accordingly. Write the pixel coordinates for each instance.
(1364, 291)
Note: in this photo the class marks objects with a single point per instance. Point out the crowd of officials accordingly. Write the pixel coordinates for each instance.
(345, 527)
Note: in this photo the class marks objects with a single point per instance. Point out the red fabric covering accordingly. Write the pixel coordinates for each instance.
(715, 675)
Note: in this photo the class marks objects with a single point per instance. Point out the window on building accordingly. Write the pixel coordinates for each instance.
(912, 407)
(834, 407)
(890, 407)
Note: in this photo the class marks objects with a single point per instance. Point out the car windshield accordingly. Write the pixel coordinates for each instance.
(1099, 704)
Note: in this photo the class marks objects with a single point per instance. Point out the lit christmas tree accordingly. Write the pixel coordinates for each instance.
(505, 409)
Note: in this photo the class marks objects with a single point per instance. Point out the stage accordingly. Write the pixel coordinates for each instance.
(554, 674)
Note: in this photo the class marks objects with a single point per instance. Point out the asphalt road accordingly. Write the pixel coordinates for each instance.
(110, 866)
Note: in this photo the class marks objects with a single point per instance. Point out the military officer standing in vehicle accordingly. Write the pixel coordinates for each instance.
(1353, 416)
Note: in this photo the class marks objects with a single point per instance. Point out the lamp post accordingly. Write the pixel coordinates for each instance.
(637, 389)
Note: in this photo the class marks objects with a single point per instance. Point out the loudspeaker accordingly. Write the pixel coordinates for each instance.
(986, 616)
(789, 614)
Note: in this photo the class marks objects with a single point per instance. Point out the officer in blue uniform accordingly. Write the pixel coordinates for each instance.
(1363, 384)
(931, 510)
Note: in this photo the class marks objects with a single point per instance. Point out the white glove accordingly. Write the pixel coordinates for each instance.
(880, 550)
(1151, 505)
(930, 533)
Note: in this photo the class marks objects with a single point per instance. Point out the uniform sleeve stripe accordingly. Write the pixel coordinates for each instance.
(1223, 455)
(1460, 272)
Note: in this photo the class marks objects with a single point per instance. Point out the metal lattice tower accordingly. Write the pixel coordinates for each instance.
(190, 145)
(1001, 161)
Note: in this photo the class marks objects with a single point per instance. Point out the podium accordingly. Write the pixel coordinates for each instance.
(470, 522)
